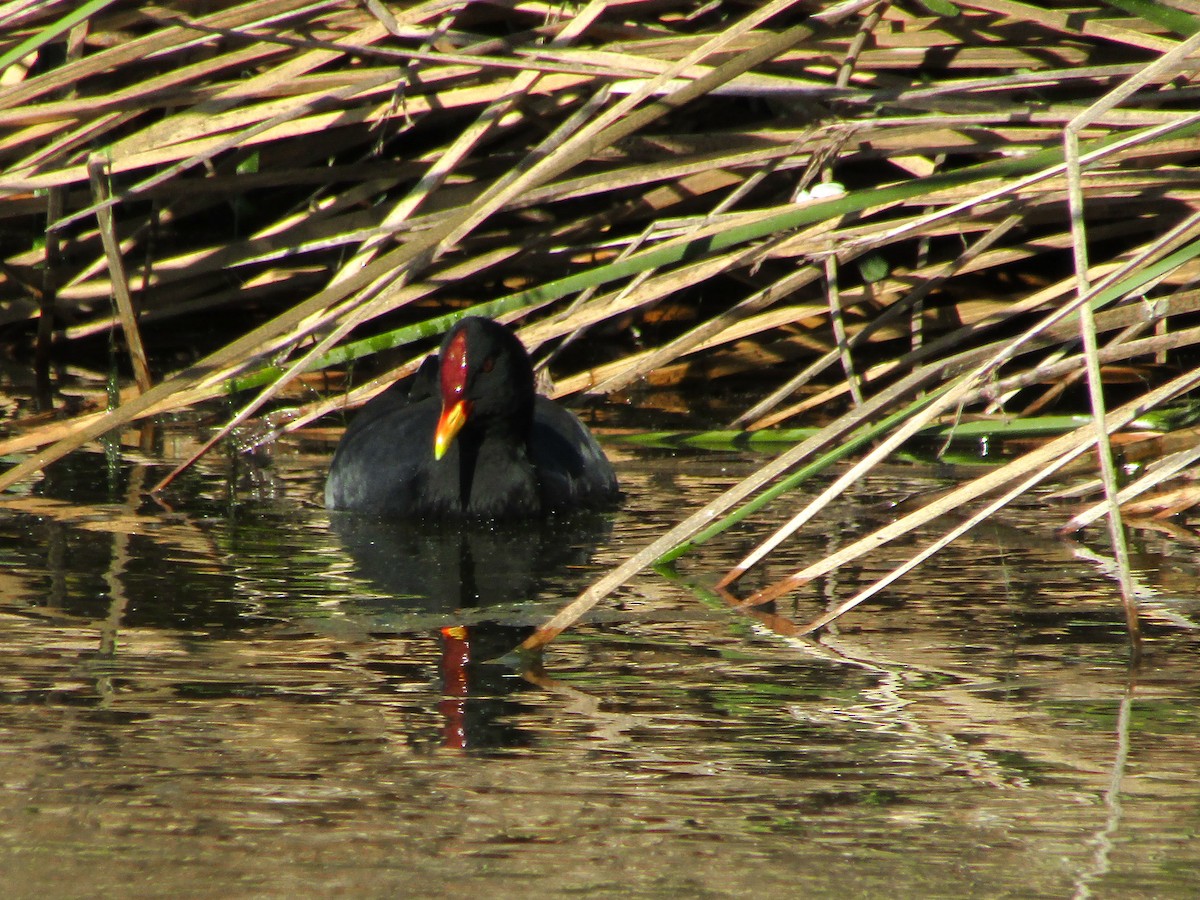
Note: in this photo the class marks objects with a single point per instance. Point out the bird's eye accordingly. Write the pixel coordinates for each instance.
(488, 364)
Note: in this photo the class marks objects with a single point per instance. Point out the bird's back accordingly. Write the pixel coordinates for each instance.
(571, 468)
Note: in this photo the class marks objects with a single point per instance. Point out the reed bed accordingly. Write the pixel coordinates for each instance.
(881, 217)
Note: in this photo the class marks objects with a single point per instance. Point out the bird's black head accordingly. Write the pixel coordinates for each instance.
(485, 381)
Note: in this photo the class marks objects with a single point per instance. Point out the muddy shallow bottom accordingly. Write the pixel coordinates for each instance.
(233, 695)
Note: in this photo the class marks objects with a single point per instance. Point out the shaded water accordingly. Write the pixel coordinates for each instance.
(233, 696)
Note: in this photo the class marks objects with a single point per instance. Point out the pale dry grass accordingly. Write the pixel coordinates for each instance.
(352, 176)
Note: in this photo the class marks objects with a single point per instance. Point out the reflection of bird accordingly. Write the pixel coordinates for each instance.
(442, 570)
(431, 574)
(470, 439)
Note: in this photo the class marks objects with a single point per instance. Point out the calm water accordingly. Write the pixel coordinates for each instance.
(225, 694)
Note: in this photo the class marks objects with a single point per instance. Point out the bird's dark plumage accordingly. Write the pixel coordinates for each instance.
(505, 451)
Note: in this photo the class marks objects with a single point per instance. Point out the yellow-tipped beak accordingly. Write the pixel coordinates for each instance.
(451, 423)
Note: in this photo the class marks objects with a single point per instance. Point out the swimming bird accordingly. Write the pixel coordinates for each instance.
(468, 437)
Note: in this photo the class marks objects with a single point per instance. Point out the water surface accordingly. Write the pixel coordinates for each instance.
(225, 693)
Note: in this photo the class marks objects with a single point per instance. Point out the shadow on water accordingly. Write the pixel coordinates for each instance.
(232, 693)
